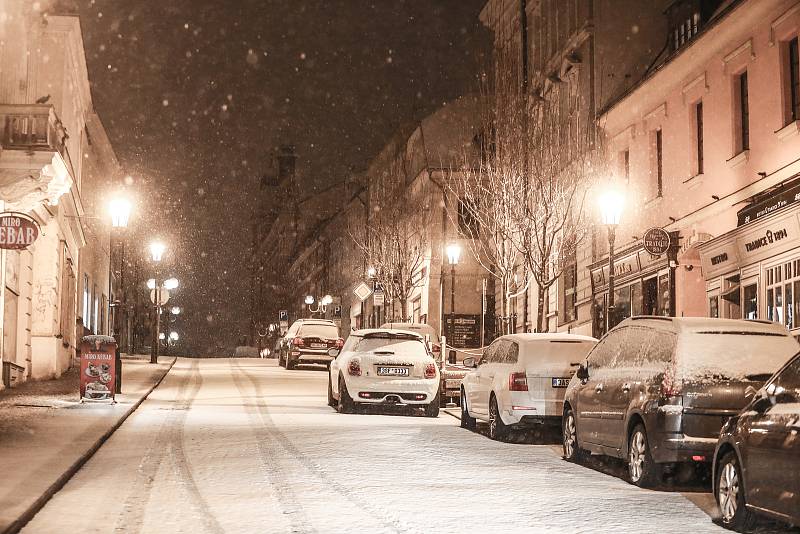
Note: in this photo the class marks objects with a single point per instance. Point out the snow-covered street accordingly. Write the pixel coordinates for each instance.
(246, 446)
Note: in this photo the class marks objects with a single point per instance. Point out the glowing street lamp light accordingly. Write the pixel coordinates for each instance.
(453, 253)
(157, 251)
(611, 205)
(309, 300)
(327, 299)
(173, 336)
(371, 272)
(171, 283)
(151, 283)
(120, 210)
(176, 310)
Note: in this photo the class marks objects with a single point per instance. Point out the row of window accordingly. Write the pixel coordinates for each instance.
(94, 307)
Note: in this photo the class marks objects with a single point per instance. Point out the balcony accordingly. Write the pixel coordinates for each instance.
(32, 127)
(34, 163)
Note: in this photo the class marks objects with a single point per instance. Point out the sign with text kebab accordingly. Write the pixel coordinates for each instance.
(17, 231)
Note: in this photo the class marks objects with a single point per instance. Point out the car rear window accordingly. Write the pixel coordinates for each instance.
(327, 331)
(398, 344)
(556, 351)
(732, 355)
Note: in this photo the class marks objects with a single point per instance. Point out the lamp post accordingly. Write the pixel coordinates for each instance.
(119, 208)
(453, 254)
(156, 254)
(611, 204)
(322, 304)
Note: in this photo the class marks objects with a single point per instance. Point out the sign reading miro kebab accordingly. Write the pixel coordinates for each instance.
(17, 231)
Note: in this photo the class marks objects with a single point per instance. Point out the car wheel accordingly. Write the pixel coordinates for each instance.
(467, 421)
(569, 430)
(730, 495)
(331, 400)
(497, 428)
(642, 470)
(346, 404)
(290, 363)
(432, 409)
(281, 361)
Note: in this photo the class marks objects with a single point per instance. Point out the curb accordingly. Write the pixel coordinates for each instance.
(451, 414)
(62, 480)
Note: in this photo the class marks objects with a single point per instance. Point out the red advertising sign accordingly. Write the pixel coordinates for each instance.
(17, 231)
(98, 368)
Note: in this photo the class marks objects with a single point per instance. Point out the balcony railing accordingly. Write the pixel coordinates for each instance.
(32, 127)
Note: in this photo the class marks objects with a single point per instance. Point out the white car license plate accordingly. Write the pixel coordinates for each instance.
(393, 371)
(319, 345)
(560, 382)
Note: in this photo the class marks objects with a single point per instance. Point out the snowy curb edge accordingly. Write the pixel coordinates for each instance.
(62, 480)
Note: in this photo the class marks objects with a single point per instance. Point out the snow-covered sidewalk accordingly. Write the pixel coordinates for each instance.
(46, 434)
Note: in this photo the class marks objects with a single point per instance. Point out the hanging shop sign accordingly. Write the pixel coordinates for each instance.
(656, 241)
(17, 231)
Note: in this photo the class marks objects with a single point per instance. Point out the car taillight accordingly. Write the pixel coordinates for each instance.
(354, 368)
(339, 343)
(430, 370)
(298, 341)
(436, 348)
(669, 386)
(517, 382)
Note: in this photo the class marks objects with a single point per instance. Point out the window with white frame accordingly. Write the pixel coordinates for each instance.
(783, 285)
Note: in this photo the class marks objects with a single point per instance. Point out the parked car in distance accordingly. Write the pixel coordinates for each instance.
(657, 390)
(757, 460)
(384, 367)
(308, 341)
(520, 381)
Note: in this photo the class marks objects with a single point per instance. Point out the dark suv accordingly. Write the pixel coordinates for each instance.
(308, 341)
(657, 390)
(757, 461)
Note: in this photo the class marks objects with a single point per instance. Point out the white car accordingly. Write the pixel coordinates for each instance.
(384, 367)
(520, 381)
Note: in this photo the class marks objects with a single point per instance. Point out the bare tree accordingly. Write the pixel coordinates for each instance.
(527, 196)
(393, 241)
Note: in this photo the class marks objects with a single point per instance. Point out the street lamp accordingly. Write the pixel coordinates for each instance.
(176, 310)
(156, 254)
(371, 272)
(611, 204)
(453, 254)
(173, 336)
(119, 208)
(171, 283)
(322, 304)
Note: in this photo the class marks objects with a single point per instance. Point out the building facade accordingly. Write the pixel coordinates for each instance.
(712, 138)
(45, 104)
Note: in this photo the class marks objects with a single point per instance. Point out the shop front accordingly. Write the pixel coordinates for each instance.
(643, 285)
(753, 272)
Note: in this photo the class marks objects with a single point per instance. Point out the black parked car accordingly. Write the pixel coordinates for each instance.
(657, 390)
(757, 461)
(308, 341)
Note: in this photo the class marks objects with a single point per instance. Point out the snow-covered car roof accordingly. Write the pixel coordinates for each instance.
(414, 327)
(370, 331)
(546, 337)
(701, 324)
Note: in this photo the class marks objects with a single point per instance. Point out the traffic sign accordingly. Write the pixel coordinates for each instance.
(362, 291)
(164, 296)
(337, 310)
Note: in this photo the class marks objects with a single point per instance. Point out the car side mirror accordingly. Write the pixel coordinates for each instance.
(583, 372)
(469, 361)
(762, 403)
(333, 352)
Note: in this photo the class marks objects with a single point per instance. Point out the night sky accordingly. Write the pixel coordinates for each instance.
(195, 93)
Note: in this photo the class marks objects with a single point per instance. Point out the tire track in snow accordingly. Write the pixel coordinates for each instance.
(274, 474)
(387, 519)
(167, 439)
